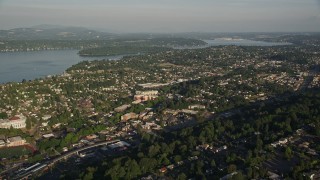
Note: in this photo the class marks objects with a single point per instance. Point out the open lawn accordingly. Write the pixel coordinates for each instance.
(14, 152)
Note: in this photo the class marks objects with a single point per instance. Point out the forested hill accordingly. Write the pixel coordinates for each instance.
(53, 33)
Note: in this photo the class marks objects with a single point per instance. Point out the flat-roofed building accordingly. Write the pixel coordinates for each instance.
(129, 116)
(122, 108)
(47, 136)
(2, 143)
(15, 141)
(153, 85)
(147, 93)
(196, 106)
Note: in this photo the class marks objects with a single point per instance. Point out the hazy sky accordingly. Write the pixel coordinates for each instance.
(165, 15)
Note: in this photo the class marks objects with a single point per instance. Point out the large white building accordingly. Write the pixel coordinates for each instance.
(15, 141)
(2, 143)
(17, 122)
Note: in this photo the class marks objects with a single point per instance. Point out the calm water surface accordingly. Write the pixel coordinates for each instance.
(242, 42)
(16, 66)
(234, 42)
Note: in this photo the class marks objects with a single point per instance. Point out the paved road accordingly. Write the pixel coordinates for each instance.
(50, 163)
(75, 151)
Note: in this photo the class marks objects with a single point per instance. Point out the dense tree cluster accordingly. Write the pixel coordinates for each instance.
(272, 121)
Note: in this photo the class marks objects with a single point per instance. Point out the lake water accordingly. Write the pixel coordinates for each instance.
(233, 42)
(242, 42)
(16, 66)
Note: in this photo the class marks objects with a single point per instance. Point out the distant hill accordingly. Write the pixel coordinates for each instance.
(53, 32)
(50, 26)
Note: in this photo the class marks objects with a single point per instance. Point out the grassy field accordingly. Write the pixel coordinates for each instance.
(14, 152)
